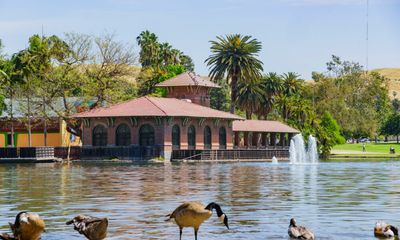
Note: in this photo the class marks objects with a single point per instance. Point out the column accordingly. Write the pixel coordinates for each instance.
(264, 139)
(273, 139)
(237, 140)
(255, 139)
(282, 139)
(246, 139)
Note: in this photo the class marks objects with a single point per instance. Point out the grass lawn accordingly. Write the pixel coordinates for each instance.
(356, 148)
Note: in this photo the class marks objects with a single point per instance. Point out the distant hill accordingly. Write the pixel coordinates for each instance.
(393, 74)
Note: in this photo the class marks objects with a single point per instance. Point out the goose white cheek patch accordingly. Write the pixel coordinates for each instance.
(24, 219)
(222, 217)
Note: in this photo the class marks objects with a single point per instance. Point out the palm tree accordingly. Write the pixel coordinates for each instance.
(250, 96)
(186, 61)
(234, 57)
(166, 56)
(271, 85)
(150, 48)
(291, 83)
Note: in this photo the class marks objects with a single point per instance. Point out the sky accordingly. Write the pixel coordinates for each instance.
(297, 35)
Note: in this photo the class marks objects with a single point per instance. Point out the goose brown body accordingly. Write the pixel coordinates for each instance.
(91, 227)
(384, 230)
(27, 226)
(193, 214)
(299, 232)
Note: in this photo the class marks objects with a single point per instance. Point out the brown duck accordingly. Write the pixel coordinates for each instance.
(384, 230)
(299, 232)
(27, 226)
(91, 227)
(193, 214)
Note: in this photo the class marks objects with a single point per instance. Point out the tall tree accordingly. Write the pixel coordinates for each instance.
(357, 100)
(220, 97)
(186, 61)
(250, 97)
(272, 86)
(109, 63)
(149, 48)
(234, 57)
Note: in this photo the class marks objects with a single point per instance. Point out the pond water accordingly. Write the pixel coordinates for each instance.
(336, 200)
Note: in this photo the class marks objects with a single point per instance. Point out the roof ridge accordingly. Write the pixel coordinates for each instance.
(149, 98)
(193, 77)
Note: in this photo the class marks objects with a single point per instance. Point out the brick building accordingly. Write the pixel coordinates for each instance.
(181, 121)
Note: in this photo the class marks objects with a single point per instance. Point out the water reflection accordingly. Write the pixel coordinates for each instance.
(259, 198)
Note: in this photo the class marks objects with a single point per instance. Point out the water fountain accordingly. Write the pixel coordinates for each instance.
(312, 150)
(274, 160)
(300, 154)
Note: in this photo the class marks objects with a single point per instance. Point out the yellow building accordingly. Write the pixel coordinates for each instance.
(15, 132)
(55, 137)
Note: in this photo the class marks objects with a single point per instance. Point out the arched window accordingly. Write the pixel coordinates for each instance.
(192, 137)
(123, 135)
(207, 137)
(222, 138)
(176, 137)
(146, 135)
(99, 136)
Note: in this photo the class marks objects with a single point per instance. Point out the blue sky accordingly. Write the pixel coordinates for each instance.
(297, 35)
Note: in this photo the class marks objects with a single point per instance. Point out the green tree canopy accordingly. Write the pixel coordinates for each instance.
(234, 57)
(356, 99)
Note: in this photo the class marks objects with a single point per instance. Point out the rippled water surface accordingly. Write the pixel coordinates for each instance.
(336, 200)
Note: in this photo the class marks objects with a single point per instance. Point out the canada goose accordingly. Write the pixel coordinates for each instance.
(299, 232)
(385, 230)
(193, 214)
(92, 228)
(27, 226)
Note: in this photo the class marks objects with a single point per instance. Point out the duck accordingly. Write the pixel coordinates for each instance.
(193, 214)
(385, 230)
(299, 232)
(27, 226)
(91, 227)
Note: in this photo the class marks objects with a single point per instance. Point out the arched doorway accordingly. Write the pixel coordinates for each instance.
(123, 135)
(207, 137)
(176, 137)
(146, 135)
(222, 138)
(191, 137)
(99, 136)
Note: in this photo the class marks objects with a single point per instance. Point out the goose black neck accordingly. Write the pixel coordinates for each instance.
(215, 206)
(292, 223)
(394, 230)
(18, 219)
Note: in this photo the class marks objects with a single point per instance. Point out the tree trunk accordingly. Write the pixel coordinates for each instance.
(397, 138)
(44, 123)
(29, 117)
(233, 93)
(248, 115)
(12, 119)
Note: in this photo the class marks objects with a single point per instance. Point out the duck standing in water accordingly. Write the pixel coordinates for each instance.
(299, 232)
(27, 226)
(91, 227)
(384, 230)
(193, 214)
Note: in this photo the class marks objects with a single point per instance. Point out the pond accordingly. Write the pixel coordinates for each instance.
(337, 200)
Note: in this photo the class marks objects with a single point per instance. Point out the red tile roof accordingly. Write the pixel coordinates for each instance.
(262, 126)
(187, 79)
(154, 106)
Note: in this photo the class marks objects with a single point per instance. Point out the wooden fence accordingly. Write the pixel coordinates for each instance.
(235, 154)
(27, 152)
(109, 152)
